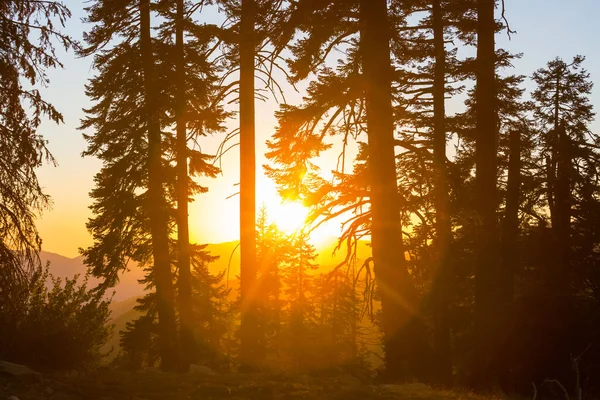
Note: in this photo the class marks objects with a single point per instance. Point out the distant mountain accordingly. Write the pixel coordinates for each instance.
(64, 267)
(120, 308)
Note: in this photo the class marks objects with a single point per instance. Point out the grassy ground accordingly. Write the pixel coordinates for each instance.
(121, 385)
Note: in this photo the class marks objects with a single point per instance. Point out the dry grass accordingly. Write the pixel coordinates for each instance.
(121, 385)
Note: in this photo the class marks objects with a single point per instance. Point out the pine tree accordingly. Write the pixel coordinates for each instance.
(138, 343)
(211, 311)
(297, 278)
(139, 340)
(195, 111)
(518, 190)
(337, 342)
(442, 208)
(123, 213)
(564, 112)
(248, 240)
(115, 89)
(246, 47)
(271, 253)
(386, 232)
(337, 103)
(158, 216)
(31, 32)
(183, 234)
(488, 302)
(560, 237)
(428, 71)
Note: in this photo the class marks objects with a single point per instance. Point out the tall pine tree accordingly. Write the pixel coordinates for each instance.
(31, 32)
(126, 209)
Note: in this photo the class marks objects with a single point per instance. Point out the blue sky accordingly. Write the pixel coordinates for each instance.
(545, 29)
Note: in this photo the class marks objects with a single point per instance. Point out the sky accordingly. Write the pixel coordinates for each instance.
(545, 29)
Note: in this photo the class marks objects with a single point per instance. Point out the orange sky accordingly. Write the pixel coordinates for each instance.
(213, 218)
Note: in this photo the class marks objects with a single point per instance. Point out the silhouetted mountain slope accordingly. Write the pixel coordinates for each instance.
(122, 312)
(64, 267)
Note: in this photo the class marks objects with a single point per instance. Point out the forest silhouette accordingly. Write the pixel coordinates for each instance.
(468, 248)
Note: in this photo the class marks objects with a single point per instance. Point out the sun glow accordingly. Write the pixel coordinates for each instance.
(289, 216)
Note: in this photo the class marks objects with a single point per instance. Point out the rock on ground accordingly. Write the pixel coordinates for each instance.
(201, 370)
(16, 369)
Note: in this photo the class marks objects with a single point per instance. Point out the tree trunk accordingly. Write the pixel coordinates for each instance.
(157, 207)
(442, 279)
(487, 267)
(510, 233)
(399, 298)
(552, 160)
(562, 220)
(249, 324)
(510, 254)
(560, 189)
(183, 235)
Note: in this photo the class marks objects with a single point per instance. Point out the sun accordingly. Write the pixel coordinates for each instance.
(289, 216)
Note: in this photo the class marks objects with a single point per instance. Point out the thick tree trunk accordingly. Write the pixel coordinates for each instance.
(183, 235)
(249, 324)
(399, 298)
(488, 304)
(157, 207)
(442, 279)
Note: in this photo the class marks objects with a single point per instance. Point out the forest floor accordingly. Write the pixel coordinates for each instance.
(120, 385)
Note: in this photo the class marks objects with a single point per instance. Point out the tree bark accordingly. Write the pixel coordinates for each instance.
(510, 232)
(157, 207)
(487, 268)
(183, 235)
(552, 160)
(510, 257)
(399, 298)
(560, 189)
(248, 274)
(442, 279)
(562, 220)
